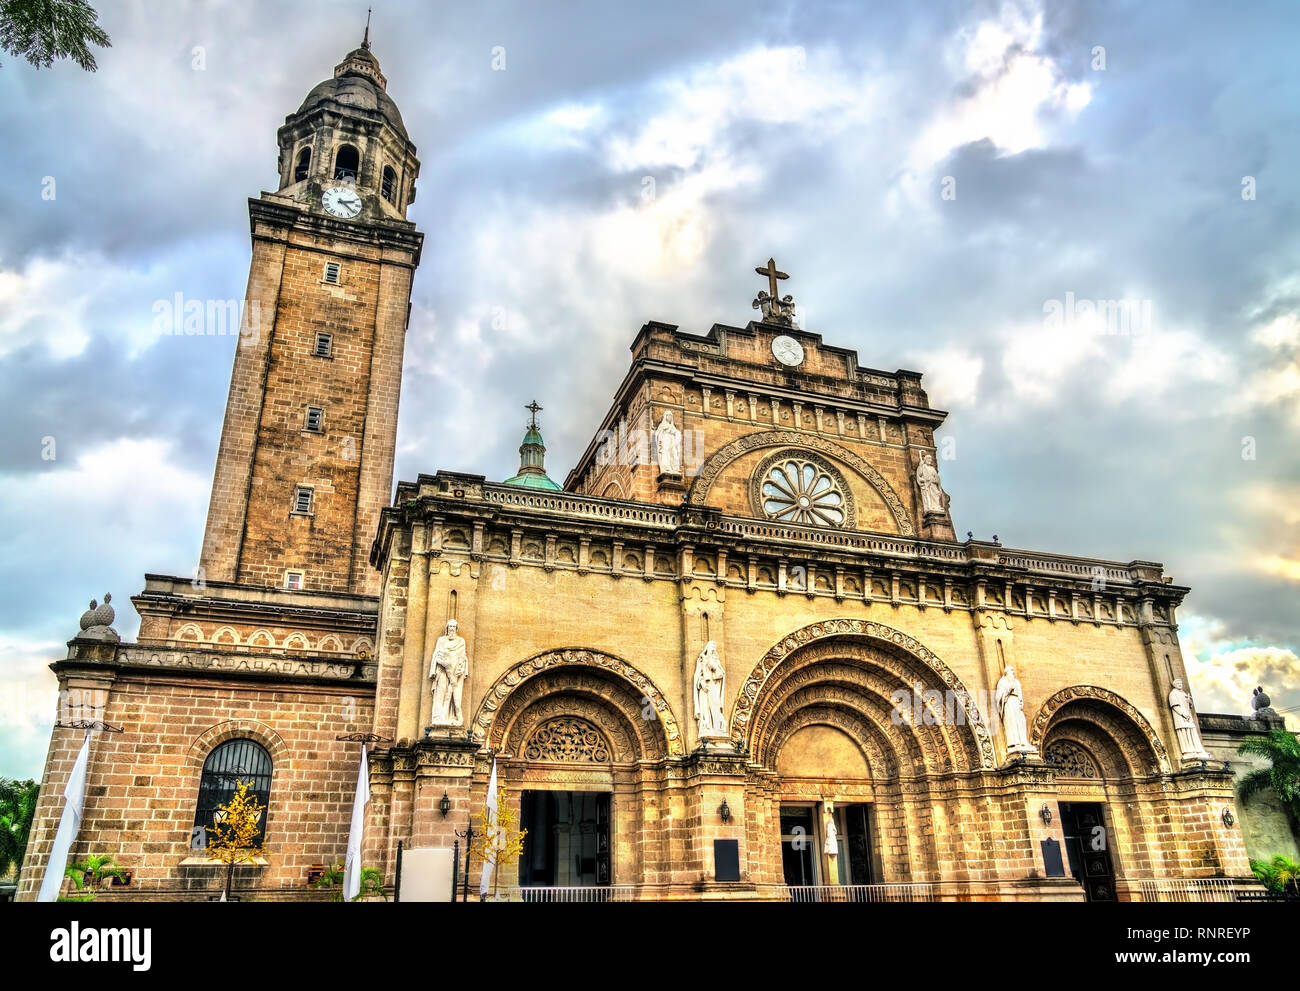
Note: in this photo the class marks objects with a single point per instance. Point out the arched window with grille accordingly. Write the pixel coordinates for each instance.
(230, 763)
(304, 165)
(389, 186)
(347, 163)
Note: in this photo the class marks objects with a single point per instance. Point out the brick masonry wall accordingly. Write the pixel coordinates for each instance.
(143, 783)
(253, 536)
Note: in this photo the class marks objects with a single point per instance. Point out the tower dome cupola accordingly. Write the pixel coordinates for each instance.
(349, 130)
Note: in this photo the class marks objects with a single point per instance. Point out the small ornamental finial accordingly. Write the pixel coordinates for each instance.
(365, 42)
(534, 409)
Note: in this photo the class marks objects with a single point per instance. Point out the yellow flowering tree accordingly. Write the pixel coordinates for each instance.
(235, 836)
(498, 844)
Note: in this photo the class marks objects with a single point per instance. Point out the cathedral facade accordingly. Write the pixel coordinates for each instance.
(739, 653)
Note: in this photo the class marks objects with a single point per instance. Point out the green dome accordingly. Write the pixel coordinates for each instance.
(532, 480)
(532, 459)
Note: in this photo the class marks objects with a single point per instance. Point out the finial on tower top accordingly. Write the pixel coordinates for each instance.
(365, 41)
(534, 409)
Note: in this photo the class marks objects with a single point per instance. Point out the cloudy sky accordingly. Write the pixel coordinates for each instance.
(933, 176)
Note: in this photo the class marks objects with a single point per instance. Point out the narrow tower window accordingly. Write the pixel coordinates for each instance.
(304, 165)
(302, 500)
(324, 345)
(346, 163)
(332, 272)
(389, 184)
(293, 581)
(315, 418)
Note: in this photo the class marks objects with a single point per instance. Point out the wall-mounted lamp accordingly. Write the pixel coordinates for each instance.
(1228, 817)
(724, 811)
(1045, 814)
(444, 804)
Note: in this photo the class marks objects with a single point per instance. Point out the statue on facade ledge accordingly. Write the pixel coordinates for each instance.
(668, 446)
(1010, 700)
(1185, 728)
(447, 671)
(933, 498)
(710, 686)
(775, 310)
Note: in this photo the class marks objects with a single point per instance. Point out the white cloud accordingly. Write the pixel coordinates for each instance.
(781, 88)
(951, 376)
(1037, 358)
(1015, 92)
(28, 703)
(1224, 673)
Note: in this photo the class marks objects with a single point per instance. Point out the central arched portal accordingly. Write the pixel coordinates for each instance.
(853, 726)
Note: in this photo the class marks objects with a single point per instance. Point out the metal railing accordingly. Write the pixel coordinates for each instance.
(861, 892)
(591, 894)
(1196, 889)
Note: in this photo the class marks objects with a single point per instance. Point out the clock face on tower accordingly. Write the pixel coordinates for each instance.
(341, 201)
(787, 350)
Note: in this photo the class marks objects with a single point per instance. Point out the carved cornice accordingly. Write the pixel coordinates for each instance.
(328, 669)
(451, 500)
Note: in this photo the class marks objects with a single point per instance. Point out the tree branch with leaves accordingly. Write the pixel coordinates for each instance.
(43, 31)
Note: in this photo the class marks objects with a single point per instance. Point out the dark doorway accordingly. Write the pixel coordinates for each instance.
(1087, 846)
(798, 844)
(857, 832)
(567, 844)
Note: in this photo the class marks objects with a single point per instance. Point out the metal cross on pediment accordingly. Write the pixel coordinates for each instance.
(772, 275)
(534, 409)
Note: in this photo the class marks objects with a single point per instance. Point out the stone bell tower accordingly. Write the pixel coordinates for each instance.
(306, 456)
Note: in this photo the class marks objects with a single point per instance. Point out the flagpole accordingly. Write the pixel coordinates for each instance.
(357, 827)
(74, 794)
(490, 839)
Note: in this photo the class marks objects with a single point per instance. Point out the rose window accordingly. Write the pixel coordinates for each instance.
(796, 491)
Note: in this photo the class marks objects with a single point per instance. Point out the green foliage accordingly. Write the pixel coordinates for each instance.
(17, 809)
(90, 874)
(44, 30)
(372, 883)
(1282, 750)
(1281, 875)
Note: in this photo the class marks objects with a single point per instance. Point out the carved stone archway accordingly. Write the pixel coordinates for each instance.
(1108, 699)
(587, 695)
(900, 651)
(713, 467)
(645, 695)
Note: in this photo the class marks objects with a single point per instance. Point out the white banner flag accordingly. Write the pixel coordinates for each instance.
(352, 865)
(491, 838)
(74, 794)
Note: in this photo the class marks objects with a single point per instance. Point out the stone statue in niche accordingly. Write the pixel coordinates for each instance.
(1188, 733)
(710, 685)
(933, 498)
(668, 446)
(832, 832)
(447, 671)
(1010, 700)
